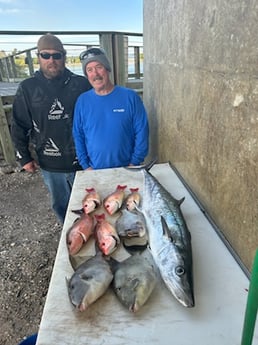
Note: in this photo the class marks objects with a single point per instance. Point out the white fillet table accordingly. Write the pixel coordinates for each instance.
(219, 283)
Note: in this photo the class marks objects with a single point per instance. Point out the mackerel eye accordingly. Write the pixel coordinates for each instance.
(180, 271)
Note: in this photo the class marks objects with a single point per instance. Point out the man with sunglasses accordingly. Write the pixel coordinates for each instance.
(43, 115)
(110, 122)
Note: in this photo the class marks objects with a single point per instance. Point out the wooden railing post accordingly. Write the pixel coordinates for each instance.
(1, 70)
(13, 67)
(5, 137)
(137, 62)
(115, 45)
(119, 59)
(4, 69)
(29, 62)
(106, 43)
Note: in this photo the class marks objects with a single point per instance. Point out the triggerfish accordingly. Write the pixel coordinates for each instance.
(89, 282)
(134, 279)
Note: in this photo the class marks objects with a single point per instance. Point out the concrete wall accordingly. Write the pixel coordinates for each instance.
(201, 93)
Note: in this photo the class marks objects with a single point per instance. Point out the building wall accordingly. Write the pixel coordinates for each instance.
(201, 94)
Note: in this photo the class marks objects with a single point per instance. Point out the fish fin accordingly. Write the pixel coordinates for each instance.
(133, 190)
(147, 166)
(179, 202)
(67, 281)
(80, 211)
(83, 237)
(90, 190)
(97, 203)
(138, 209)
(135, 282)
(119, 187)
(166, 229)
(100, 217)
(117, 240)
(113, 263)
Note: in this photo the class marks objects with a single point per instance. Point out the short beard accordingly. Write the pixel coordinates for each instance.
(51, 74)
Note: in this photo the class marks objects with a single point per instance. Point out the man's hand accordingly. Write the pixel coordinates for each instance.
(30, 167)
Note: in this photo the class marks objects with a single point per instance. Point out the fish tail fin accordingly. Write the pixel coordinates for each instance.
(133, 190)
(146, 166)
(149, 165)
(179, 202)
(100, 217)
(119, 187)
(90, 190)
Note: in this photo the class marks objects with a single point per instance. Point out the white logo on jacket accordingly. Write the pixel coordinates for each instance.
(56, 111)
(51, 148)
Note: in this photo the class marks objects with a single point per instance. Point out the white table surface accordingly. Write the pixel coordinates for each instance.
(220, 285)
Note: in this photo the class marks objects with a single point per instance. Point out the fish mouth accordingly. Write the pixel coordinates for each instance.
(134, 307)
(188, 304)
(82, 307)
(185, 298)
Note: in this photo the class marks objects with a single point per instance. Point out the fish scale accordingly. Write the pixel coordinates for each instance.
(169, 239)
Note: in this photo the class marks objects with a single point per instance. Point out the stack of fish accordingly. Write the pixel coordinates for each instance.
(133, 279)
(155, 219)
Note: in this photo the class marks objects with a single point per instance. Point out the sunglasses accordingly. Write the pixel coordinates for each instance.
(87, 54)
(47, 56)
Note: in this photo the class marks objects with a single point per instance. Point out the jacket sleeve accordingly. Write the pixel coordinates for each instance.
(79, 137)
(21, 127)
(141, 132)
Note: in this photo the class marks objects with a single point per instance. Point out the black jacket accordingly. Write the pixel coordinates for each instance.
(43, 114)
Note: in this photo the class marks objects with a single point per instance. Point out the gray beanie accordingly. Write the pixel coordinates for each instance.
(94, 54)
(50, 41)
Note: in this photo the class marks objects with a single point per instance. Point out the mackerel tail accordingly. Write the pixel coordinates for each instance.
(169, 238)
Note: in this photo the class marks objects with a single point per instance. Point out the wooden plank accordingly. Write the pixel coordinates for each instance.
(5, 137)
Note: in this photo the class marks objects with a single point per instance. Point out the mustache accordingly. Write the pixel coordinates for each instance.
(98, 78)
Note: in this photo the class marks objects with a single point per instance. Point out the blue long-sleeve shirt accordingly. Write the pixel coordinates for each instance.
(110, 130)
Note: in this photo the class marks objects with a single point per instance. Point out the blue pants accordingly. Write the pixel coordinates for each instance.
(30, 340)
(59, 186)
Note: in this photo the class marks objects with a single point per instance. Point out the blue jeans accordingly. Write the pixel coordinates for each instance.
(59, 186)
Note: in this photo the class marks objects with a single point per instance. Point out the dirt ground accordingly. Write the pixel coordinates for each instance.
(29, 239)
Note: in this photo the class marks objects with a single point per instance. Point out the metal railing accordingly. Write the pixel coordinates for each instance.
(125, 52)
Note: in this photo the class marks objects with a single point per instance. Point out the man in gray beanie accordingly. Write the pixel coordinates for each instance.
(43, 111)
(94, 54)
(110, 127)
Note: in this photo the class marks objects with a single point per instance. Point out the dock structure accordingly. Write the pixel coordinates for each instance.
(7, 93)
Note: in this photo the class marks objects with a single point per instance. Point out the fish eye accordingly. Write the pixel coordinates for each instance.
(180, 270)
